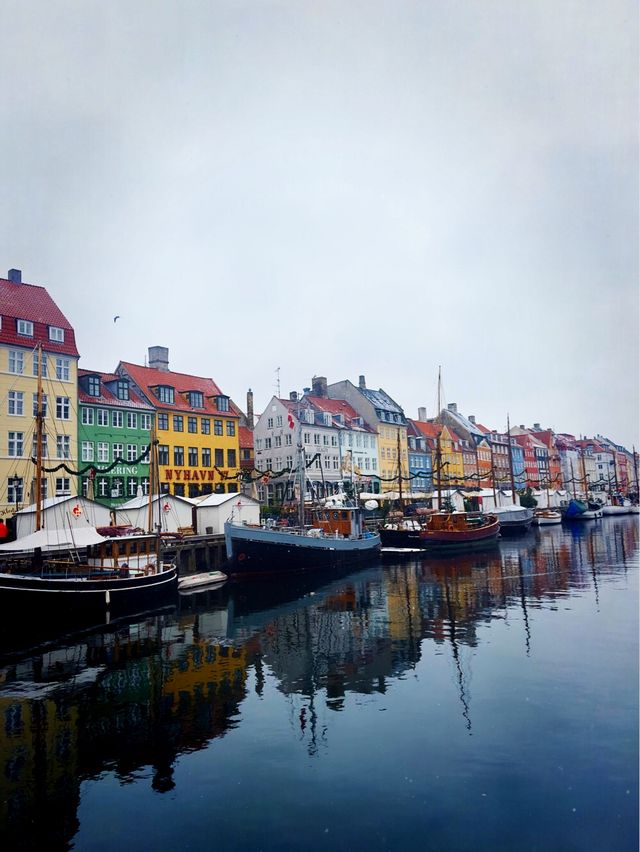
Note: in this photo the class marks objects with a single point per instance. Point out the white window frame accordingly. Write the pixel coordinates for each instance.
(132, 452)
(145, 422)
(87, 451)
(63, 486)
(63, 446)
(117, 419)
(103, 452)
(102, 417)
(15, 403)
(63, 369)
(56, 334)
(24, 328)
(63, 408)
(15, 445)
(132, 420)
(43, 364)
(87, 416)
(16, 362)
(118, 451)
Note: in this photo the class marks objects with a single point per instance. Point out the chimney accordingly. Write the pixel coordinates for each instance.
(472, 419)
(15, 276)
(250, 422)
(453, 406)
(306, 391)
(422, 414)
(159, 358)
(536, 427)
(521, 426)
(293, 396)
(319, 384)
(361, 383)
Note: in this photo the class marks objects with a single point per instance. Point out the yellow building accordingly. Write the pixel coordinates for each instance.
(197, 428)
(452, 459)
(31, 322)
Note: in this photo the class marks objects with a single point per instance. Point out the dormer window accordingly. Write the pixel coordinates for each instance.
(222, 403)
(24, 327)
(196, 399)
(122, 389)
(166, 393)
(56, 334)
(326, 417)
(93, 385)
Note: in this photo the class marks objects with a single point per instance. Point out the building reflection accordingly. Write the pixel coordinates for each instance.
(129, 700)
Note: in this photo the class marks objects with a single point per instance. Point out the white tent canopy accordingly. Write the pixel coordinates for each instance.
(51, 539)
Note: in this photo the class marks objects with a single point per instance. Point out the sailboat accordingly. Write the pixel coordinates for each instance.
(445, 531)
(79, 571)
(513, 518)
(335, 537)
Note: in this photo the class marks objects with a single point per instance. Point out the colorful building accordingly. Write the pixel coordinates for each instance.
(31, 322)
(196, 427)
(114, 435)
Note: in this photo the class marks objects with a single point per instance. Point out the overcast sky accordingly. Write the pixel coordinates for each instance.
(337, 188)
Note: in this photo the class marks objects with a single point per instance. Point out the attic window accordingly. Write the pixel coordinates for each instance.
(25, 327)
(93, 386)
(222, 403)
(196, 399)
(165, 393)
(122, 389)
(56, 334)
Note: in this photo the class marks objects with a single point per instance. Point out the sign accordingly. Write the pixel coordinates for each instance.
(76, 511)
(166, 507)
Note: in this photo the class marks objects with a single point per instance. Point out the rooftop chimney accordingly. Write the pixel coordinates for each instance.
(250, 422)
(453, 406)
(293, 396)
(422, 414)
(536, 427)
(472, 419)
(306, 390)
(319, 386)
(15, 276)
(361, 383)
(159, 358)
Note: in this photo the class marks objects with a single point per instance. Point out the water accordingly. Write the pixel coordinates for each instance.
(470, 703)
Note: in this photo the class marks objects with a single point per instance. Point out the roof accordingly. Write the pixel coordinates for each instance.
(381, 399)
(107, 397)
(429, 430)
(148, 378)
(33, 303)
(143, 501)
(219, 499)
(245, 436)
(336, 407)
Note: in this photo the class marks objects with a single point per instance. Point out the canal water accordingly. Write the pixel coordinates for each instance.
(485, 702)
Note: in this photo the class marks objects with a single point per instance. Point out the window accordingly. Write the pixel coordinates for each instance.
(307, 437)
(15, 488)
(63, 486)
(86, 415)
(267, 443)
(118, 452)
(34, 447)
(16, 444)
(103, 487)
(206, 457)
(132, 420)
(217, 427)
(178, 456)
(56, 334)
(24, 327)
(178, 489)
(270, 423)
(205, 426)
(87, 451)
(132, 452)
(279, 420)
(316, 438)
(325, 440)
(122, 389)
(132, 486)
(193, 457)
(165, 394)
(287, 439)
(103, 453)
(178, 423)
(16, 362)
(63, 446)
(232, 488)
(218, 458)
(231, 458)
(192, 424)
(196, 399)
(222, 403)
(63, 369)
(15, 403)
(163, 454)
(231, 428)
(145, 422)
(43, 365)
(62, 407)
(277, 441)
(117, 419)
(163, 421)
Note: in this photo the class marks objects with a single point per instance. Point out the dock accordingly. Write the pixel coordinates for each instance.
(195, 553)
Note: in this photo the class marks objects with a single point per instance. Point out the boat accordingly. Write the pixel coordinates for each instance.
(546, 517)
(513, 519)
(326, 536)
(441, 530)
(75, 571)
(201, 581)
(579, 510)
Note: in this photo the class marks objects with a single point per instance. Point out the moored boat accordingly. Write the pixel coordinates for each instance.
(201, 581)
(514, 518)
(459, 531)
(546, 517)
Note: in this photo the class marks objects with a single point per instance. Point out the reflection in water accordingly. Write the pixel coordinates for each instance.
(130, 698)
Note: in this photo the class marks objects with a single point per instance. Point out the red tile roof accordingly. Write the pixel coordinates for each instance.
(246, 437)
(106, 396)
(148, 378)
(336, 406)
(33, 303)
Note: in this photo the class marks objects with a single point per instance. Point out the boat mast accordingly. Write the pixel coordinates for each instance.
(439, 451)
(152, 476)
(513, 483)
(584, 475)
(302, 471)
(573, 480)
(493, 477)
(39, 432)
(635, 468)
(400, 473)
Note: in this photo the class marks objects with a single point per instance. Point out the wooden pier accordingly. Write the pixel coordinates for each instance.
(196, 553)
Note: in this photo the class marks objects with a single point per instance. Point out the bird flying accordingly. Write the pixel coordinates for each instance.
(116, 318)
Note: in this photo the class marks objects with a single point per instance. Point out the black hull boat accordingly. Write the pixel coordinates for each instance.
(445, 532)
(259, 550)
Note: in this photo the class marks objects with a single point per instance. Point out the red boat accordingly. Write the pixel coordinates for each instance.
(450, 531)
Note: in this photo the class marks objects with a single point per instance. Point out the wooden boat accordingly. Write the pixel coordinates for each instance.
(546, 517)
(201, 581)
(75, 571)
(459, 531)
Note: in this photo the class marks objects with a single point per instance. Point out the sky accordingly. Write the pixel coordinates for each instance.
(277, 190)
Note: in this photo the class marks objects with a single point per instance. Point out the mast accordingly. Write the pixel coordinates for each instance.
(493, 477)
(39, 432)
(584, 475)
(302, 472)
(573, 481)
(400, 472)
(635, 468)
(152, 477)
(439, 451)
(513, 483)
